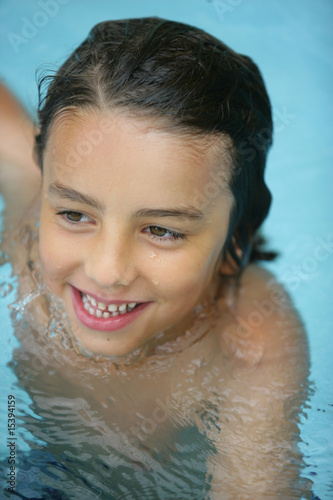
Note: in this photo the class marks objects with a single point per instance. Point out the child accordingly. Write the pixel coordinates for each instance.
(185, 360)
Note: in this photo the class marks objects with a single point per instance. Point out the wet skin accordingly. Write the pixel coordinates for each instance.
(258, 376)
(131, 232)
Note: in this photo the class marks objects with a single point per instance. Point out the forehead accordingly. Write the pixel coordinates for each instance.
(117, 145)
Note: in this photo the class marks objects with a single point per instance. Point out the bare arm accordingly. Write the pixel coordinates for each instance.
(258, 455)
(20, 177)
(16, 132)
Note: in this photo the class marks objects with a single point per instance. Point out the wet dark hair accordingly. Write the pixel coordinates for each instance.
(164, 69)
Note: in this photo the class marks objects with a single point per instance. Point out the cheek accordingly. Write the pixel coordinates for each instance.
(55, 260)
(184, 276)
(191, 274)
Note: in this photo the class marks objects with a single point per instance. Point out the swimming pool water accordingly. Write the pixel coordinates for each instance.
(292, 43)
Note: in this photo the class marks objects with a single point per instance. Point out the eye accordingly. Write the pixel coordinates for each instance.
(72, 217)
(164, 234)
(158, 231)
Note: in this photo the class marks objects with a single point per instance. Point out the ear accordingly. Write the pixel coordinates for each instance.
(227, 266)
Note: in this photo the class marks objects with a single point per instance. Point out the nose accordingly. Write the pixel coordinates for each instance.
(110, 260)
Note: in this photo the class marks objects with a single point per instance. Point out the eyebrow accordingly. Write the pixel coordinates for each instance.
(181, 213)
(66, 193)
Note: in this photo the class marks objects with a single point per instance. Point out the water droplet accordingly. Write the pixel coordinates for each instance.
(153, 255)
(5, 289)
(156, 282)
(50, 328)
(65, 342)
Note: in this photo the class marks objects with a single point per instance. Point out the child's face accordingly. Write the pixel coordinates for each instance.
(123, 222)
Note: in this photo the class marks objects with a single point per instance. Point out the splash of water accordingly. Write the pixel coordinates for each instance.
(58, 323)
(19, 306)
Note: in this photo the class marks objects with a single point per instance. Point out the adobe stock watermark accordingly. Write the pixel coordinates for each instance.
(281, 119)
(248, 150)
(166, 409)
(303, 271)
(88, 143)
(239, 341)
(148, 425)
(30, 27)
(224, 7)
(277, 300)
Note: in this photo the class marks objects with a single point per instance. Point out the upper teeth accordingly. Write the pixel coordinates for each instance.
(100, 309)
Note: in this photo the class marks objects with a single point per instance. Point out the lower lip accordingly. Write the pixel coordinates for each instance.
(104, 324)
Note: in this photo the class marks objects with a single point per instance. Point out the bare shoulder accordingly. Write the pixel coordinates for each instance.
(264, 329)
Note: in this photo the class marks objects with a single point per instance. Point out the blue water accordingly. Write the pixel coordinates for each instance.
(292, 43)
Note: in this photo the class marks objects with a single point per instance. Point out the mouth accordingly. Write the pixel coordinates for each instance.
(102, 316)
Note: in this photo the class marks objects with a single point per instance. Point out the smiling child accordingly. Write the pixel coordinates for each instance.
(151, 147)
